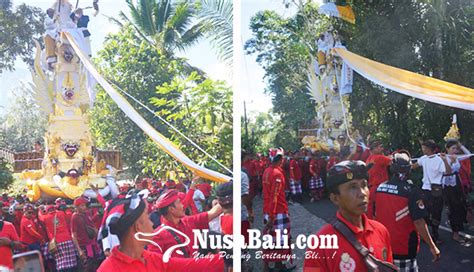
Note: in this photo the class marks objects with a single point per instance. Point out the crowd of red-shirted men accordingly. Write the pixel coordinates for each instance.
(381, 213)
(100, 234)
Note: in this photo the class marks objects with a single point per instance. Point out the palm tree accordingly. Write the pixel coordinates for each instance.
(217, 14)
(167, 26)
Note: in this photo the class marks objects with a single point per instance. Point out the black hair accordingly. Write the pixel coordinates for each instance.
(164, 211)
(431, 144)
(450, 143)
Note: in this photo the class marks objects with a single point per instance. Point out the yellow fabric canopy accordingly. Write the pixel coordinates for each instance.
(409, 83)
(162, 142)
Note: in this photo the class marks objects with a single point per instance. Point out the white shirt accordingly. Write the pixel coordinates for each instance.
(215, 224)
(433, 170)
(198, 197)
(50, 28)
(451, 179)
(244, 190)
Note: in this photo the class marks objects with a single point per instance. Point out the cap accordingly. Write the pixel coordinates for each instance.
(50, 208)
(167, 199)
(80, 200)
(181, 196)
(170, 184)
(276, 154)
(121, 214)
(346, 171)
(28, 207)
(60, 201)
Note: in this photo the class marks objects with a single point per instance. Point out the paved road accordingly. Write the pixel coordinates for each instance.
(454, 257)
(308, 218)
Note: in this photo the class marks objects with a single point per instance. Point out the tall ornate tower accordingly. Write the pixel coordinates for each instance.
(64, 93)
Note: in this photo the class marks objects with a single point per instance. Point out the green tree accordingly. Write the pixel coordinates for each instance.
(283, 47)
(433, 38)
(23, 122)
(143, 72)
(6, 177)
(18, 28)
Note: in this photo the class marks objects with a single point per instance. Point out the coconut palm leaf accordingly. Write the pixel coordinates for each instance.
(218, 14)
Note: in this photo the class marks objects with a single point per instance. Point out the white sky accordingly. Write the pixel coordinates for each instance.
(200, 55)
(253, 85)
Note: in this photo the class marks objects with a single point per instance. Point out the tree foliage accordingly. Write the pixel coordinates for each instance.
(23, 123)
(168, 25)
(18, 27)
(6, 177)
(218, 16)
(432, 37)
(201, 110)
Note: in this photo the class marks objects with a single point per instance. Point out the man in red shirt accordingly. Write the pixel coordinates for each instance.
(84, 234)
(399, 207)
(316, 183)
(275, 209)
(205, 188)
(347, 185)
(29, 232)
(58, 229)
(378, 172)
(128, 219)
(172, 215)
(8, 241)
(249, 165)
(295, 178)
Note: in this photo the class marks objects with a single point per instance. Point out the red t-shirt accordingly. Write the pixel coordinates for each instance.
(273, 188)
(166, 239)
(188, 202)
(63, 232)
(374, 236)
(249, 165)
(153, 262)
(295, 170)
(333, 160)
(29, 232)
(78, 227)
(17, 220)
(465, 172)
(180, 187)
(378, 173)
(315, 167)
(226, 224)
(8, 231)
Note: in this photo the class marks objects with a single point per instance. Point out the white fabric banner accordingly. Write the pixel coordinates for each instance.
(159, 139)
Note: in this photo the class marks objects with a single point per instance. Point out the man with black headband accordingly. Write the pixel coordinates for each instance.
(354, 233)
(399, 206)
(128, 219)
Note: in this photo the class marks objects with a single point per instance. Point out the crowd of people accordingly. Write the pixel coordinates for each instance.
(381, 214)
(131, 232)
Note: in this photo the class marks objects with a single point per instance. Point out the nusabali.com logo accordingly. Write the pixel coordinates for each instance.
(203, 239)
